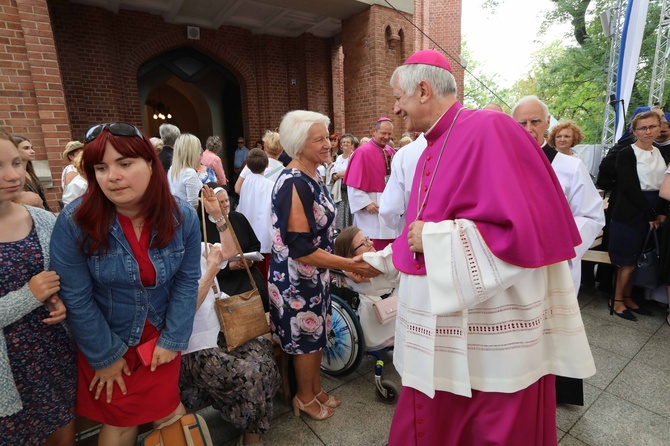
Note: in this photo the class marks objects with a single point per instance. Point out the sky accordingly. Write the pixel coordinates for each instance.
(503, 42)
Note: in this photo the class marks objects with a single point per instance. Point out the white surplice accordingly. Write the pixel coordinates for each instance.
(256, 205)
(585, 203)
(486, 324)
(371, 224)
(394, 199)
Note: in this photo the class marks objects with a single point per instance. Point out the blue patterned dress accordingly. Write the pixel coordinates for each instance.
(42, 357)
(300, 312)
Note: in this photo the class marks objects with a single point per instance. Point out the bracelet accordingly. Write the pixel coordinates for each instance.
(223, 227)
(219, 219)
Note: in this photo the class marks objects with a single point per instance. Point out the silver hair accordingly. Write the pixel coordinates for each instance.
(530, 99)
(294, 129)
(169, 133)
(441, 81)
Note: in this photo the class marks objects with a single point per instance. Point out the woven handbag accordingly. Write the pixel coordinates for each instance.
(242, 316)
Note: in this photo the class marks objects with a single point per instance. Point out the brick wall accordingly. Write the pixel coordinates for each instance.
(32, 101)
(101, 51)
(379, 39)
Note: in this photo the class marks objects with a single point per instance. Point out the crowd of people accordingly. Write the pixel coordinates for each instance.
(455, 220)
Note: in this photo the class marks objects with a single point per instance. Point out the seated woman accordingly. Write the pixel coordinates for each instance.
(350, 243)
(233, 278)
(242, 383)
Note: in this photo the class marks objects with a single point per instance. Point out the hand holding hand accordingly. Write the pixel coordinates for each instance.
(162, 356)
(415, 237)
(56, 310)
(372, 208)
(105, 379)
(362, 268)
(44, 285)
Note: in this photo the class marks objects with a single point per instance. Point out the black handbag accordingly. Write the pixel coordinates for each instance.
(646, 274)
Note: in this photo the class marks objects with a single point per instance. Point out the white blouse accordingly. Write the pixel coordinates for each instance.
(650, 168)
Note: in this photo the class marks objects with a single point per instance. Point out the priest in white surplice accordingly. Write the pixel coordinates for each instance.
(366, 176)
(487, 312)
(585, 202)
(394, 199)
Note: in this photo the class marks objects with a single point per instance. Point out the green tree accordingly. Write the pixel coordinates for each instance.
(572, 78)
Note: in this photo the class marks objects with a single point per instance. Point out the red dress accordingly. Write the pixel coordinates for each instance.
(150, 395)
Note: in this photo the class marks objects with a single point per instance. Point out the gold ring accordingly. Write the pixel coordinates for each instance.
(101, 384)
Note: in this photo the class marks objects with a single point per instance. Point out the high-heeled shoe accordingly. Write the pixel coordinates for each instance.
(332, 401)
(625, 314)
(639, 310)
(299, 406)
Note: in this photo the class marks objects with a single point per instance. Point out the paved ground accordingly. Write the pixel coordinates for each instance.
(627, 402)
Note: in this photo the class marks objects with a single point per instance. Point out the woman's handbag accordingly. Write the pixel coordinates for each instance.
(646, 274)
(241, 316)
(386, 309)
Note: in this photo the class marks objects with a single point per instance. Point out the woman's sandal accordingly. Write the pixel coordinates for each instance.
(332, 402)
(324, 411)
(625, 314)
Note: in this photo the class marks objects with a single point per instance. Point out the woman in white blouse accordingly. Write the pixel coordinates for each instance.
(183, 175)
(337, 190)
(640, 169)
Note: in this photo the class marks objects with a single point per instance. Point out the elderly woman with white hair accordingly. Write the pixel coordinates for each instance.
(303, 217)
(183, 175)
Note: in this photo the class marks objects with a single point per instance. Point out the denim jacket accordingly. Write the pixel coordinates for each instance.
(105, 299)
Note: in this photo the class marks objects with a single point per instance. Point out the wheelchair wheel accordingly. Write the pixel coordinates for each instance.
(345, 347)
(390, 394)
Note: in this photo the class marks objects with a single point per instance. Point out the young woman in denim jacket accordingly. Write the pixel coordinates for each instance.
(127, 255)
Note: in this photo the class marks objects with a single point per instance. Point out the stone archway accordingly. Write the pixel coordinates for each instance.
(202, 96)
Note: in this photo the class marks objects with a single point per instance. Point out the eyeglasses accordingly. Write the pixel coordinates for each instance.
(115, 128)
(366, 242)
(649, 128)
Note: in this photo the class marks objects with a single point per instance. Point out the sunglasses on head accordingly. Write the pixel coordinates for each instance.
(115, 128)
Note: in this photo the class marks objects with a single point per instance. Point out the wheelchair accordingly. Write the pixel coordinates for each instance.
(345, 346)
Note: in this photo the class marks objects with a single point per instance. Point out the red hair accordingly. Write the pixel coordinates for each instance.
(96, 213)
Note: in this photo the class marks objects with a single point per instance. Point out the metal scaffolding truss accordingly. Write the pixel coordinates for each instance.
(660, 58)
(612, 25)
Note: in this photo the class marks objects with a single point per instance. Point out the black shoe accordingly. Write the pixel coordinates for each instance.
(641, 310)
(625, 314)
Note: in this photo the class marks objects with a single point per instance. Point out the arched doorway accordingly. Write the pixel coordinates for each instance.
(200, 95)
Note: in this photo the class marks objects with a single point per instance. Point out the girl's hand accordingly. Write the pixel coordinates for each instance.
(56, 310)
(44, 285)
(162, 356)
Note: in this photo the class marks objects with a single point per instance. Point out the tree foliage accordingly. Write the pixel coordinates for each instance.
(572, 78)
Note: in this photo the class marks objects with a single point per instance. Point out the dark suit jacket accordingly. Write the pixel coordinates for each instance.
(165, 156)
(630, 200)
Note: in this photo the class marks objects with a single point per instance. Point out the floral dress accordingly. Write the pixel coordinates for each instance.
(42, 357)
(300, 312)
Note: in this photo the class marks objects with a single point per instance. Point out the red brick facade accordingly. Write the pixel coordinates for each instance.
(67, 66)
(32, 101)
(376, 41)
